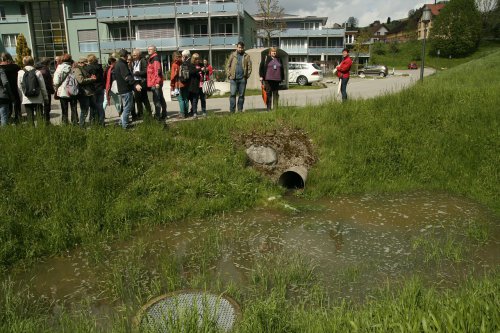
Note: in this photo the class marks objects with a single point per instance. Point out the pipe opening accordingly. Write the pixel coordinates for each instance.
(291, 180)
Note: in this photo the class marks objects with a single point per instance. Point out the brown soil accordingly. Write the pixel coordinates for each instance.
(293, 148)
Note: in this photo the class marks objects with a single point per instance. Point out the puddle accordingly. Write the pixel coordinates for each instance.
(355, 244)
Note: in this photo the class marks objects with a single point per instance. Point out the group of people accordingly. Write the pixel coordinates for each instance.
(126, 80)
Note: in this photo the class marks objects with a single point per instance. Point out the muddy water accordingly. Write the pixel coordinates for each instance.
(355, 243)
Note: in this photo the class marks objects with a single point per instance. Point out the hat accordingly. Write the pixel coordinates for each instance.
(123, 53)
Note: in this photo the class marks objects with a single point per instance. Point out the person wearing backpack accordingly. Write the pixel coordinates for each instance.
(5, 98)
(65, 85)
(139, 69)
(43, 67)
(85, 87)
(11, 70)
(186, 72)
(32, 87)
(154, 79)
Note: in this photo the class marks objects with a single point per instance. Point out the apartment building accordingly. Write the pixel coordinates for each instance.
(209, 27)
(306, 38)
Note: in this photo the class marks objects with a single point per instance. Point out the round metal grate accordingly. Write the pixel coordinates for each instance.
(181, 311)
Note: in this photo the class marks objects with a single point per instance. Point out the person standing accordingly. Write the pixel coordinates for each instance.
(272, 72)
(85, 88)
(11, 70)
(96, 103)
(206, 75)
(43, 67)
(32, 104)
(155, 83)
(238, 70)
(343, 70)
(139, 70)
(176, 85)
(195, 83)
(5, 98)
(60, 82)
(125, 83)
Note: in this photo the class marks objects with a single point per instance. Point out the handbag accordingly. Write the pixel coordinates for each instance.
(208, 87)
(114, 87)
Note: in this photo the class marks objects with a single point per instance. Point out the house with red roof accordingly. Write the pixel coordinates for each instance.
(435, 10)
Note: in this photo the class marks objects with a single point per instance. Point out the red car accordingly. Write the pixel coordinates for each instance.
(412, 65)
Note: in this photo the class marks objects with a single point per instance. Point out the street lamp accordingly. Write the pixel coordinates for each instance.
(426, 18)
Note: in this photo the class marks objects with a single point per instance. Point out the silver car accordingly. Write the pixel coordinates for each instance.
(380, 70)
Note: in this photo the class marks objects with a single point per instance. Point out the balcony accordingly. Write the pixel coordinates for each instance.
(319, 50)
(14, 19)
(185, 42)
(83, 15)
(310, 33)
(295, 50)
(166, 10)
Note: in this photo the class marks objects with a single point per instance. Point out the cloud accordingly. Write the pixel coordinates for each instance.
(338, 11)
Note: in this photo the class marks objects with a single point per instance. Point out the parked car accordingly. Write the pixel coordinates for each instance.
(380, 70)
(304, 73)
(412, 65)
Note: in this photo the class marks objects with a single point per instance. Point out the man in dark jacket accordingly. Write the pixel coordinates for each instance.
(126, 84)
(139, 70)
(11, 69)
(43, 67)
(5, 98)
(96, 103)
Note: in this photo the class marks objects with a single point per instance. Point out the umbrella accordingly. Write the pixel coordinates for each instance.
(264, 94)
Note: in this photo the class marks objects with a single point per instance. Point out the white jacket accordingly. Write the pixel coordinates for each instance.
(60, 81)
(41, 98)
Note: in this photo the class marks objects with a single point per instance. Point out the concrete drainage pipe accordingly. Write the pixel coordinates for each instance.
(294, 177)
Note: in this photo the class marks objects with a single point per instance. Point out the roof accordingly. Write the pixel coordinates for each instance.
(435, 9)
(290, 17)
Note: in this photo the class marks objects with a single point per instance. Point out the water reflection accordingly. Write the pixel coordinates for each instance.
(355, 243)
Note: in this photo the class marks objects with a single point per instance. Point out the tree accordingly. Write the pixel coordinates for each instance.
(361, 45)
(271, 18)
(456, 31)
(352, 22)
(22, 49)
(489, 19)
(389, 20)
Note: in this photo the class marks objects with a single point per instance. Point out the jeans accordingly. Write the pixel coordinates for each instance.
(183, 99)
(159, 102)
(127, 104)
(96, 107)
(31, 110)
(4, 113)
(47, 109)
(142, 102)
(343, 88)
(64, 110)
(84, 101)
(194, 102)
(237, 86)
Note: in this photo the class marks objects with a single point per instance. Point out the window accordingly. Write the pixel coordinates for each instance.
(87, 40)
(88, 7)
(2, 13)
(226, 28)
(119, 33)
(200, 30)
(22, 9)
(310, 26)
(9, 40)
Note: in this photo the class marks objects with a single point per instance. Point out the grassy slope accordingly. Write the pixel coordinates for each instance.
(412, 51)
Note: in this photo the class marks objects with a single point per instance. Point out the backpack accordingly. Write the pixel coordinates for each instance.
(184, 72)
(30, 84)
(71, 85)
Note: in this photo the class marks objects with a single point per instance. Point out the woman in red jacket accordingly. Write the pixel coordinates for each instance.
(343, 73)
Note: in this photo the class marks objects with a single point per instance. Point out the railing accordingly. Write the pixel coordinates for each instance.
(185, 41)
(14, 19)
(309, 33)
(83, 15)
(317, 50)
(143, 11)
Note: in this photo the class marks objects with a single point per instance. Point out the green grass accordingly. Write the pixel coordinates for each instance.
(412, 51)
(63, 187)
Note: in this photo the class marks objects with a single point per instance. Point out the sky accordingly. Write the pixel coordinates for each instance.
(338, 11)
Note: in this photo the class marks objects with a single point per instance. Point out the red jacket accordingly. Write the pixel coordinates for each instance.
(344, 68)
(154, 71)
(174, 76)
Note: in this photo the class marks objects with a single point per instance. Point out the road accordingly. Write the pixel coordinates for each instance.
(358, 88)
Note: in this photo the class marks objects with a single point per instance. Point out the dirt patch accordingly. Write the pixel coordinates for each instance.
(292, 145)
